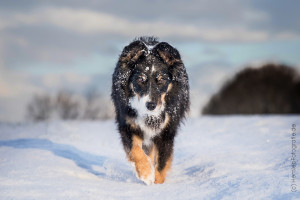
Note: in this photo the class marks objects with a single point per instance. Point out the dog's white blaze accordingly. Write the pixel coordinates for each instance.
(149, 47)
(153, 69)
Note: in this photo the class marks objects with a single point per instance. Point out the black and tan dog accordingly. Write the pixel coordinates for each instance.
(150, 92)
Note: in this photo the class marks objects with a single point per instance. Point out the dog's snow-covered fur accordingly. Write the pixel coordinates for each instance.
(150, 91)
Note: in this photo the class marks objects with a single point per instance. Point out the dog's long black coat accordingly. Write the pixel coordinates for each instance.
(176, 100)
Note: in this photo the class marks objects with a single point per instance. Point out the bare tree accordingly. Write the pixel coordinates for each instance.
(92, 108)
(40, 108)
(67, 106)
(97, 106)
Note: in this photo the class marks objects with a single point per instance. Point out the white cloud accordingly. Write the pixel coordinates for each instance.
(12, 84)
(66, 79)
(91, 22)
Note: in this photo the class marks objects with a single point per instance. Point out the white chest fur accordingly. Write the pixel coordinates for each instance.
(139, 104)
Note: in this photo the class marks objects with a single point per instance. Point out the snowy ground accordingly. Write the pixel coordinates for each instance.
(229, 157)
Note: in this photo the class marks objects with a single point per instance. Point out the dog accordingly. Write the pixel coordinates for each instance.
(150, 92)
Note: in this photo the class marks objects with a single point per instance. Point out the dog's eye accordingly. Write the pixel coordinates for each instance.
(141, 79)
(161, 80)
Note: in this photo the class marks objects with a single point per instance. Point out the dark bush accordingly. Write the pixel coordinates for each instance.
(270, 89)
(68, 107)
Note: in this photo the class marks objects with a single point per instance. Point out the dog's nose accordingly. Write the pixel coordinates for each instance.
(150, 105)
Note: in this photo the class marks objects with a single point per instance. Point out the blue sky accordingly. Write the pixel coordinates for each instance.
(194, 54)
(239, 54)
(46, 46)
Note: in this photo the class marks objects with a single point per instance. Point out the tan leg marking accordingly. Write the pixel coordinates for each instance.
(161, 176)
(142, 165)
(153, 155)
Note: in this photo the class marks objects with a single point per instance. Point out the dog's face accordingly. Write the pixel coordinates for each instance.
(149, 82)
(148, 71)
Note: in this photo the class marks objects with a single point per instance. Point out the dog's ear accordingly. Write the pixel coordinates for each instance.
(167, 53)
(171, 57)
(132, 53)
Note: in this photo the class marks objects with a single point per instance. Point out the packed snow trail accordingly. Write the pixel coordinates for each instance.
(228, 157)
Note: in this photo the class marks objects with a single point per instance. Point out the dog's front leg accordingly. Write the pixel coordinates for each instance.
(163, 160)
(142, 163)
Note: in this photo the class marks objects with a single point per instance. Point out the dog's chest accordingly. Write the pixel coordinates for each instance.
(148, 132)
(151, 123)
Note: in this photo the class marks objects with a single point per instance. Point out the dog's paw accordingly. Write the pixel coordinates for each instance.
(159, 178)
(132, 164)
(148, 180)
(145, 171)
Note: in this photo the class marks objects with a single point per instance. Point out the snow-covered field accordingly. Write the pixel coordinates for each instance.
(229, 157)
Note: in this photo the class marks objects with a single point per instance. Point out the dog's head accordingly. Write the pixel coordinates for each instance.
(150, 82)
(153, 69)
